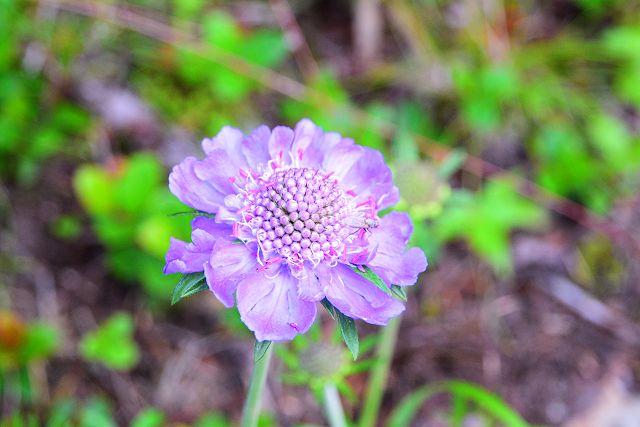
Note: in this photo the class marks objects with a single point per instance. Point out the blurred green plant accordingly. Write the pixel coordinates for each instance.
(131, 207)
(112, 343)
(316, 362)
(462, 394)
(485, 219)
(97, 411)
(34, 124)
(21, 346)
(196, 85)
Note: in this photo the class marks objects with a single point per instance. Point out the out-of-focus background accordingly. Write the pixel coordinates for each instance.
(513, 131)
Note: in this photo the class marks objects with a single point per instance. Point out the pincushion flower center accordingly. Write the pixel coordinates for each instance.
(297, 215)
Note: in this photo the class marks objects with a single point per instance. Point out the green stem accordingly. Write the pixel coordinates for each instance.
(251, 410)
(333, 406)
(2, 382)
(379, 374)
(25, 385)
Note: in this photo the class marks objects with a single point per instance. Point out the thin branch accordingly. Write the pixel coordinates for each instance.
(297, 42)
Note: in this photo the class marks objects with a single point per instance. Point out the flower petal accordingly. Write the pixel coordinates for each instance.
(370, 177)
(193, 190)
(255, 146)
(270, 306)
(183, 257)
(229, 140)
(392, 262)
(229, 263)
(356, 296)
(218, 170)
(280, 145)
(310, 144)
(309, 287)
(341, 158)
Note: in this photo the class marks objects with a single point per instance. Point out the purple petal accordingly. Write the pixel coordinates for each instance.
(310, 144)
(183, 257)
(280, 145)
(357, 297)
(255, 147)
(229, 140)
(392, 262)
(341, 158)
(270, 306)
(218, 170)
(229, 263)
(193, 190)
(309, 287)
(370, 177)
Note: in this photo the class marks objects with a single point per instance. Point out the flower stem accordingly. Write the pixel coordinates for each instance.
(252, 404)
(379, 374)
(333, 406)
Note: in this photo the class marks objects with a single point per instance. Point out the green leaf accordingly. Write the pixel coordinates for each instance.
(260, 349)
(189, 284)
(94, 188)
(142, 174)
(211, 420)
(61, 413)
(194, 213)
(348, 328)
(149, 417)
(373, 278)
(96, 413)
(112, 343)
(451, 163)
(399, 292)
(39, 342)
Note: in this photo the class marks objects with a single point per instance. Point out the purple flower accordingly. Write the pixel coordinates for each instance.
(296, 213)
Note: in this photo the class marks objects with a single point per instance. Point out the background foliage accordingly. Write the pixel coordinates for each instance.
(513, 132)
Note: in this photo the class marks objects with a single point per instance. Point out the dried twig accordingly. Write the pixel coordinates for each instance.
(588, 308)
(292, 31)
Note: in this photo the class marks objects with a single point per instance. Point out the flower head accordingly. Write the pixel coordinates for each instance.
(296, 215)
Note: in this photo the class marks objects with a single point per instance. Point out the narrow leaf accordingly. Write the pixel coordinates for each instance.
(373, 278)
(452, 163)
(349, 333)
(326, 304)
(189, 284)
(194, 213)
(260, 349)
(399, 292)
(348, 328)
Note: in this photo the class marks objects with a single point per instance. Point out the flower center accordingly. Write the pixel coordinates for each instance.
(298, 214)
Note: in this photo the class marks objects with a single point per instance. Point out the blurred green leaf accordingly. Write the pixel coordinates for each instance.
(212, 420)
(220, 30)
(94, 188)
(39, 342)
(96, 413)
(493, 405)
(266, 48)
(67, 227)
(153, 235)
(149, 417)
(485, 220)
(112, 343)
(61, 413)
(142, 173)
